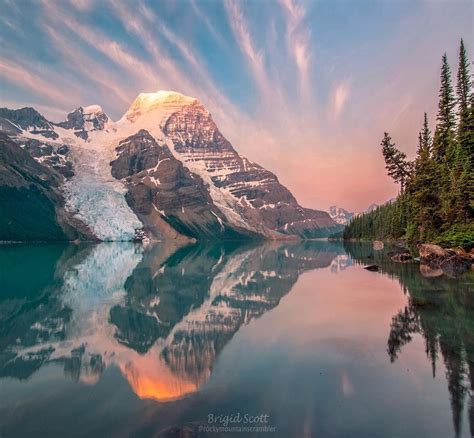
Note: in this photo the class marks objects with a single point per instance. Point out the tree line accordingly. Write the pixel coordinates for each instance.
(435, 202)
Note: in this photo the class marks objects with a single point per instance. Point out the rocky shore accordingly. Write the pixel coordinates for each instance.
(434, 260)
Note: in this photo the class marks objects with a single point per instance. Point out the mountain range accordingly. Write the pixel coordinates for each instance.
(163, 171)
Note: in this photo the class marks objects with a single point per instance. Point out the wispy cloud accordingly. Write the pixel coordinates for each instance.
(88, 68)
(217, 37)
(149, 28)
(243, 38)
(339, 98)
(82, 5)
(17, 74)
(297, 36)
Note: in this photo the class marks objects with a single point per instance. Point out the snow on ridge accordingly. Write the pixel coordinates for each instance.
(91, 109)
(166, 101)
(340, 215)
(224, 200)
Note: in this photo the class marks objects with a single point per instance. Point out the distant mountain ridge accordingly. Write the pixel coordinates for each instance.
(163, 171)
(340, 215)
(373, 206)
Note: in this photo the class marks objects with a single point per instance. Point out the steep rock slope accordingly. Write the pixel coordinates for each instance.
(84, 120)
(30, 120)
(164, 194)
(31, 203)
(81, 150)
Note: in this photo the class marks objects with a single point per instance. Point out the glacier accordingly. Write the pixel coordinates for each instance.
(97, 198)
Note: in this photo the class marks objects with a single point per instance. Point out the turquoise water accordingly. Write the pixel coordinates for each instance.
(117, 339)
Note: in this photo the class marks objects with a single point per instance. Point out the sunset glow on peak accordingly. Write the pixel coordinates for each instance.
(167, 101)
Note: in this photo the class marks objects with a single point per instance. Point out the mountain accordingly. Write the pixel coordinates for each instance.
(84, 120)
(163, 171)
(340, 215)
(32, 206)
(372, 207)
(29, 120)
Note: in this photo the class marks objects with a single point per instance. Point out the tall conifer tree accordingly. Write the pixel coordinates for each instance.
(395, 161)
(464, 101)
(444, 134)
(423, 188)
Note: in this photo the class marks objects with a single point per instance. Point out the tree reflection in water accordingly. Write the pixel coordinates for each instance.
(442, 311)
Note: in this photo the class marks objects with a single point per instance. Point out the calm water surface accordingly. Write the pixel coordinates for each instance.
(120, 340)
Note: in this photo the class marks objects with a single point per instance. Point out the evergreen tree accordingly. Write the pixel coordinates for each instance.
(444, 144)
(470, 154)
(465, 103)
(425, 142)
(461, 193)
(444, 134)
(463, 86)
(470, 130)
(395, 161)
(461, 167)
(423, 188)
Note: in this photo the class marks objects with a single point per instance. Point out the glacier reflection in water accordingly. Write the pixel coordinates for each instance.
(159, 319)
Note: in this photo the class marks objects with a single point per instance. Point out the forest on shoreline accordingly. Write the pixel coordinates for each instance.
(435, 202)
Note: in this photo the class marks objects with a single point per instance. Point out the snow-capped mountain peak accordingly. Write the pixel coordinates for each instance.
(340, 215)
(26, 119)
(84, 120)
(166, 101)
(92, 109)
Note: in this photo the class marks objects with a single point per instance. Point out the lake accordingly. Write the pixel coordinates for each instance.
(290, 339)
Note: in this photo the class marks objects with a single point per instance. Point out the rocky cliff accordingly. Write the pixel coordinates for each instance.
(31, 202)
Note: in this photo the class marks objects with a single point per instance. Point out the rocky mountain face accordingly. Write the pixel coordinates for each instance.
(84, 120)
(373, 206)
(31, 201)
(163, 171)
(260, 199)
(164, 194)
(28, 119)
(340, 215)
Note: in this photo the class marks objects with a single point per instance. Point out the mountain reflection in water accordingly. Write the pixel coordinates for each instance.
(162, 314)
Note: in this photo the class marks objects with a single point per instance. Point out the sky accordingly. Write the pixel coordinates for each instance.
(304, 88)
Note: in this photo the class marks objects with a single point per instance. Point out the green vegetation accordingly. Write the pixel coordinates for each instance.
(436, 202)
